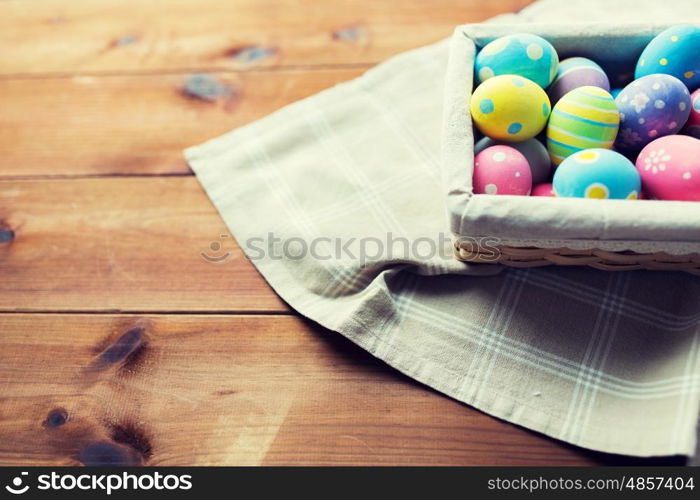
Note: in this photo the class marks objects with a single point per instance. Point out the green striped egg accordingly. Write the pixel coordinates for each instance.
(586, 117)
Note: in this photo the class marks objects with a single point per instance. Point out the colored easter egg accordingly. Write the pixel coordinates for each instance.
(522, 54)
(692, 126)
(675, 52)
(501, 170)
(584, 118)
(651, 107)
(544, 189)
(576, 72)
(533, 151)
(509, 108)
(597, 173)
(615, 92)
(670, 168)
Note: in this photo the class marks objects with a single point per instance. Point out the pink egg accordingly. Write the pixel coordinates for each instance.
(502, 170)
(670, 168)
(692, 126)
(544, 189)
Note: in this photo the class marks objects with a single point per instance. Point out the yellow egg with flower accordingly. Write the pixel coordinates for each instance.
(510, 108)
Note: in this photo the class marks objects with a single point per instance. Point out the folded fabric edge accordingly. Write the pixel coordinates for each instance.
(504, 408)
(222, 142)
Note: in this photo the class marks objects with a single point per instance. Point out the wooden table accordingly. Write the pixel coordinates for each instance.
(117, 339)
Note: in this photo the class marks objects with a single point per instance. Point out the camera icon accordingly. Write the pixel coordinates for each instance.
(16, 488)
(213, 254)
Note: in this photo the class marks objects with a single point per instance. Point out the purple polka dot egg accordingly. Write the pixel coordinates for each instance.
(501, 170)
(651, 107)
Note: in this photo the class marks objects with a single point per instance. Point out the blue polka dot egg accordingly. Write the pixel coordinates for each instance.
(523, 54)
(598, 174)
(675, 52)
(509, 108)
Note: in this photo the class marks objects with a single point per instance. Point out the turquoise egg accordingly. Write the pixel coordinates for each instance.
(675, 52)
(522, 54)
(597, 174)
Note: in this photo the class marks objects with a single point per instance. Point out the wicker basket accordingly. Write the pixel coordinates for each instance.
(523, 231)
(599, 259)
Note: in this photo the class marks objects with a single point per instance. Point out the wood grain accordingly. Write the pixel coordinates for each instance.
(97, 89)
(206, 390)
(133, 124)
(129, 244)
(83, 36)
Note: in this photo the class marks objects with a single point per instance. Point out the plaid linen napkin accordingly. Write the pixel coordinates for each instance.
(337, 200)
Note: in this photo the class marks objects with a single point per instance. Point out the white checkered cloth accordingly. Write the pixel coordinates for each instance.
(609, 361)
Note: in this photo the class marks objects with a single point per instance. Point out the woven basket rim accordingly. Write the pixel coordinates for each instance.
(599, 259)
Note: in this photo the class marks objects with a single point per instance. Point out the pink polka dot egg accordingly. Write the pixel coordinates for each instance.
(544, 189)
(670, 168)
(501, 170)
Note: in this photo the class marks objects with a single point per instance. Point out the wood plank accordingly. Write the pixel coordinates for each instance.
(136, 124)
(130, 244)
(213, 390)
(117, 35)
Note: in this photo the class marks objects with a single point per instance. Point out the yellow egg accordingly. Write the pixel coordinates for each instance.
(510, 108)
